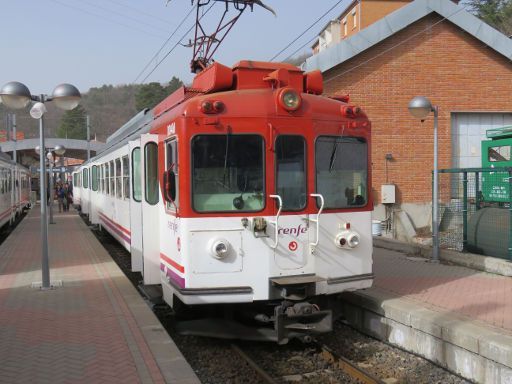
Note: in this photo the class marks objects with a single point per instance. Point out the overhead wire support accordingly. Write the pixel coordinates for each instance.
(205, 45)
(173, 48)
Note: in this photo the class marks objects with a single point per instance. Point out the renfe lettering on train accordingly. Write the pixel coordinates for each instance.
(293, 231)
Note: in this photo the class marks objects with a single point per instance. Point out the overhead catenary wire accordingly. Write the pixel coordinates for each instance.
(123, 15)
(307, 29)
(164, 44)
(301, 47)
(105, 18)
(140, 11)
(175, 45)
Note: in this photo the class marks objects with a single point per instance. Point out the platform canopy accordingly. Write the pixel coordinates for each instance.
(76, 149)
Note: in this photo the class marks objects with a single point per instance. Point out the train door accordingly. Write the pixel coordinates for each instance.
(150, 209)
(85, 196)
(136, 205)
(94, 195)
(292, 248)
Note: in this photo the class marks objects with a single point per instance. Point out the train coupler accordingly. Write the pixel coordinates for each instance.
(300, 320)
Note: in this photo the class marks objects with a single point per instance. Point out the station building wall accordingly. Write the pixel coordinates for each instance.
(436, 59)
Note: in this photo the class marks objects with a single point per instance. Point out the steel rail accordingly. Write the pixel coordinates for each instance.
(348, 367)
(264, 375)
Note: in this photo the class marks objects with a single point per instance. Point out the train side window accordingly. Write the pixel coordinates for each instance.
(94, 178)
(85, 178)
(126, 178)
(136, 175)
(119, 186)
(171, 160)
(342, 171)
(291, 171)
(107, 179)
(151, 173)
(499, 153)
(104, 180)
(101, 178)
(112, 179)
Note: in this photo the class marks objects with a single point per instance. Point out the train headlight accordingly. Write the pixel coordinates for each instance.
(289, 99)
(219, 248)
(353, 240)
(347, 239)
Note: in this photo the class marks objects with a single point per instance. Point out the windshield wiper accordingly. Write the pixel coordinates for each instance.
(333, 155)
(226, 154)
(337, 140)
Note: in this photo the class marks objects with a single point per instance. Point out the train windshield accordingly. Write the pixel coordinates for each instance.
(342, 171)
(228, 173)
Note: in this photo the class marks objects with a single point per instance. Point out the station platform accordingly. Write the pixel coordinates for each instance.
(92, 328)
(455, 316)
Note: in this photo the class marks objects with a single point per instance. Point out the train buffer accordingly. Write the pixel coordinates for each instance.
(95, 328)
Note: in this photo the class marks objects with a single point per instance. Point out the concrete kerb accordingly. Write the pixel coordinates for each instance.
(469, 260)
(476, 352)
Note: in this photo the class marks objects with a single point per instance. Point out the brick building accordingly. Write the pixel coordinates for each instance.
(433, 48)
(358, 15)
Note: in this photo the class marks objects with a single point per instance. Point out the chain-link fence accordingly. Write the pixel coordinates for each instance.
(476, 210)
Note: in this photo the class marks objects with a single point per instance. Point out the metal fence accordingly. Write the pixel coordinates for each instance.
(476, 210)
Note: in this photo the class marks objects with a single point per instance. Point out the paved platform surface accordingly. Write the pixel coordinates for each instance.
(455, 316)
(94, 329)
(480, 296)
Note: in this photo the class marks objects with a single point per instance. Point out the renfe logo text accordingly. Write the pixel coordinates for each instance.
(293, 231)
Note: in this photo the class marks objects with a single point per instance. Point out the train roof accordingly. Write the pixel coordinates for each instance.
(499, 133)
(129, 127)
(136, 126)
(6, 158)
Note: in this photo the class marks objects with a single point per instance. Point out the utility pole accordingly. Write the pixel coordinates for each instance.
(14, 138)
(88, 138)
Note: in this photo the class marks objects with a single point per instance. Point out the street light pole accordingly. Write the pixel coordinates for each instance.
(44, 219)
(88, 138)
(435, 193)
(420, 107)
(17, 96)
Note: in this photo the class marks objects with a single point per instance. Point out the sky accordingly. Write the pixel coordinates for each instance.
(89, 43)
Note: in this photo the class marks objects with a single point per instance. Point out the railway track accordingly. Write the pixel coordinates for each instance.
(269, 370)
(219, 361)
(7, 229)
(328, 373)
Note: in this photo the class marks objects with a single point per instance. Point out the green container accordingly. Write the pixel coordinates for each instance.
(497, 153)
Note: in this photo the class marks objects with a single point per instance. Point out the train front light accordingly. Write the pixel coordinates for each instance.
(347, 239)
(353, 240)
(219, 248)
(289, 99)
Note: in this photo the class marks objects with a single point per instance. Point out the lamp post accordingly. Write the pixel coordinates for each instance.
(420, 107)
(17, 96)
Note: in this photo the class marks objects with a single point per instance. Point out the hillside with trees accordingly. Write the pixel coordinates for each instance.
(108, 108)
(496, 13)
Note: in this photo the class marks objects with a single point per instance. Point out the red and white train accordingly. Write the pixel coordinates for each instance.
(14, 190)
(247, 187)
